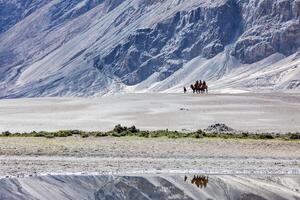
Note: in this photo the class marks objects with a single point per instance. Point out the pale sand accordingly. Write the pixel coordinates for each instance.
(278, 112)
(27, 156)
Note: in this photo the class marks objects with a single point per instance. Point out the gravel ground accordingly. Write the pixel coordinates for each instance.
(30, 156)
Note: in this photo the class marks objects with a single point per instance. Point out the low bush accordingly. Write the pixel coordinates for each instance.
(119, 129)
(144, 134)
(63, 133)
(119, 134)
(6, 133)
(100, 134)
(265, 136)
(50, 136)
(122, 131)
(38, 134)
(244, 135)
(197, 134)
(294, 136)
(133, 129)
(84, 135)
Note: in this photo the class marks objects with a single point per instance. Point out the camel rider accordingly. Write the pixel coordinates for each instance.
(196, 85)
(193, 88)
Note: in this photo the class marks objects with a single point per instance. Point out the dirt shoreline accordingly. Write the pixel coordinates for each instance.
(73, 155)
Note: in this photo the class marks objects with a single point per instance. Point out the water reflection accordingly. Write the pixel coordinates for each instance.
(200, 181)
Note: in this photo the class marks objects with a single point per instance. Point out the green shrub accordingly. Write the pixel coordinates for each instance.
(196, 135)
(245, 135)
(133, 129)
(174, 134)
(6, 133)
(49, 136)
(84, 135)
(265, 136)
(101, 134)
(75, 132)
(119, 134)
(144, 134)
(294, 136)
(62, 134)
(38, 134)
(214, 134)
(155, 134)
(119, 129)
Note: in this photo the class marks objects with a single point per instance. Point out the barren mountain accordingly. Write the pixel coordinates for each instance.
(94, 47)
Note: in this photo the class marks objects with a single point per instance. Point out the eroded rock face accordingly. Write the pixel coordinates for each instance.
(268, 27)
(165, 47)
(257, 29)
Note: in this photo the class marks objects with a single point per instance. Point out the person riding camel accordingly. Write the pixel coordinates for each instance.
(196, 86)
(193, 88)
(204, 87)
(200, 86)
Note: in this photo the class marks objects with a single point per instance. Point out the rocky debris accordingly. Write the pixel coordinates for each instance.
(220, 128)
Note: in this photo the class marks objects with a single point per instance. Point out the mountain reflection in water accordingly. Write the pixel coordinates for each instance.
(152, 187)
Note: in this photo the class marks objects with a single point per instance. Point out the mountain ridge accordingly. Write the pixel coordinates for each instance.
(96, 47)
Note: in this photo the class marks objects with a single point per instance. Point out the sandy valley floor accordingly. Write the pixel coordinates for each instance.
(279, 112)
(253, 112)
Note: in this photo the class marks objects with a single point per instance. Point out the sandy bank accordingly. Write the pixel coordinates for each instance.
(30, 156)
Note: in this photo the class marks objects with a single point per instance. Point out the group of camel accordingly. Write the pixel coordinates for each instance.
(199, 181)
(199, 87)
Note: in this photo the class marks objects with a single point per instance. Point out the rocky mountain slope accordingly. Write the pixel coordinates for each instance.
(94, 47)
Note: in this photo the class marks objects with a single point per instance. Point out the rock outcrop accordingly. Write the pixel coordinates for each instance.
(167, 45)
(268, 27)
